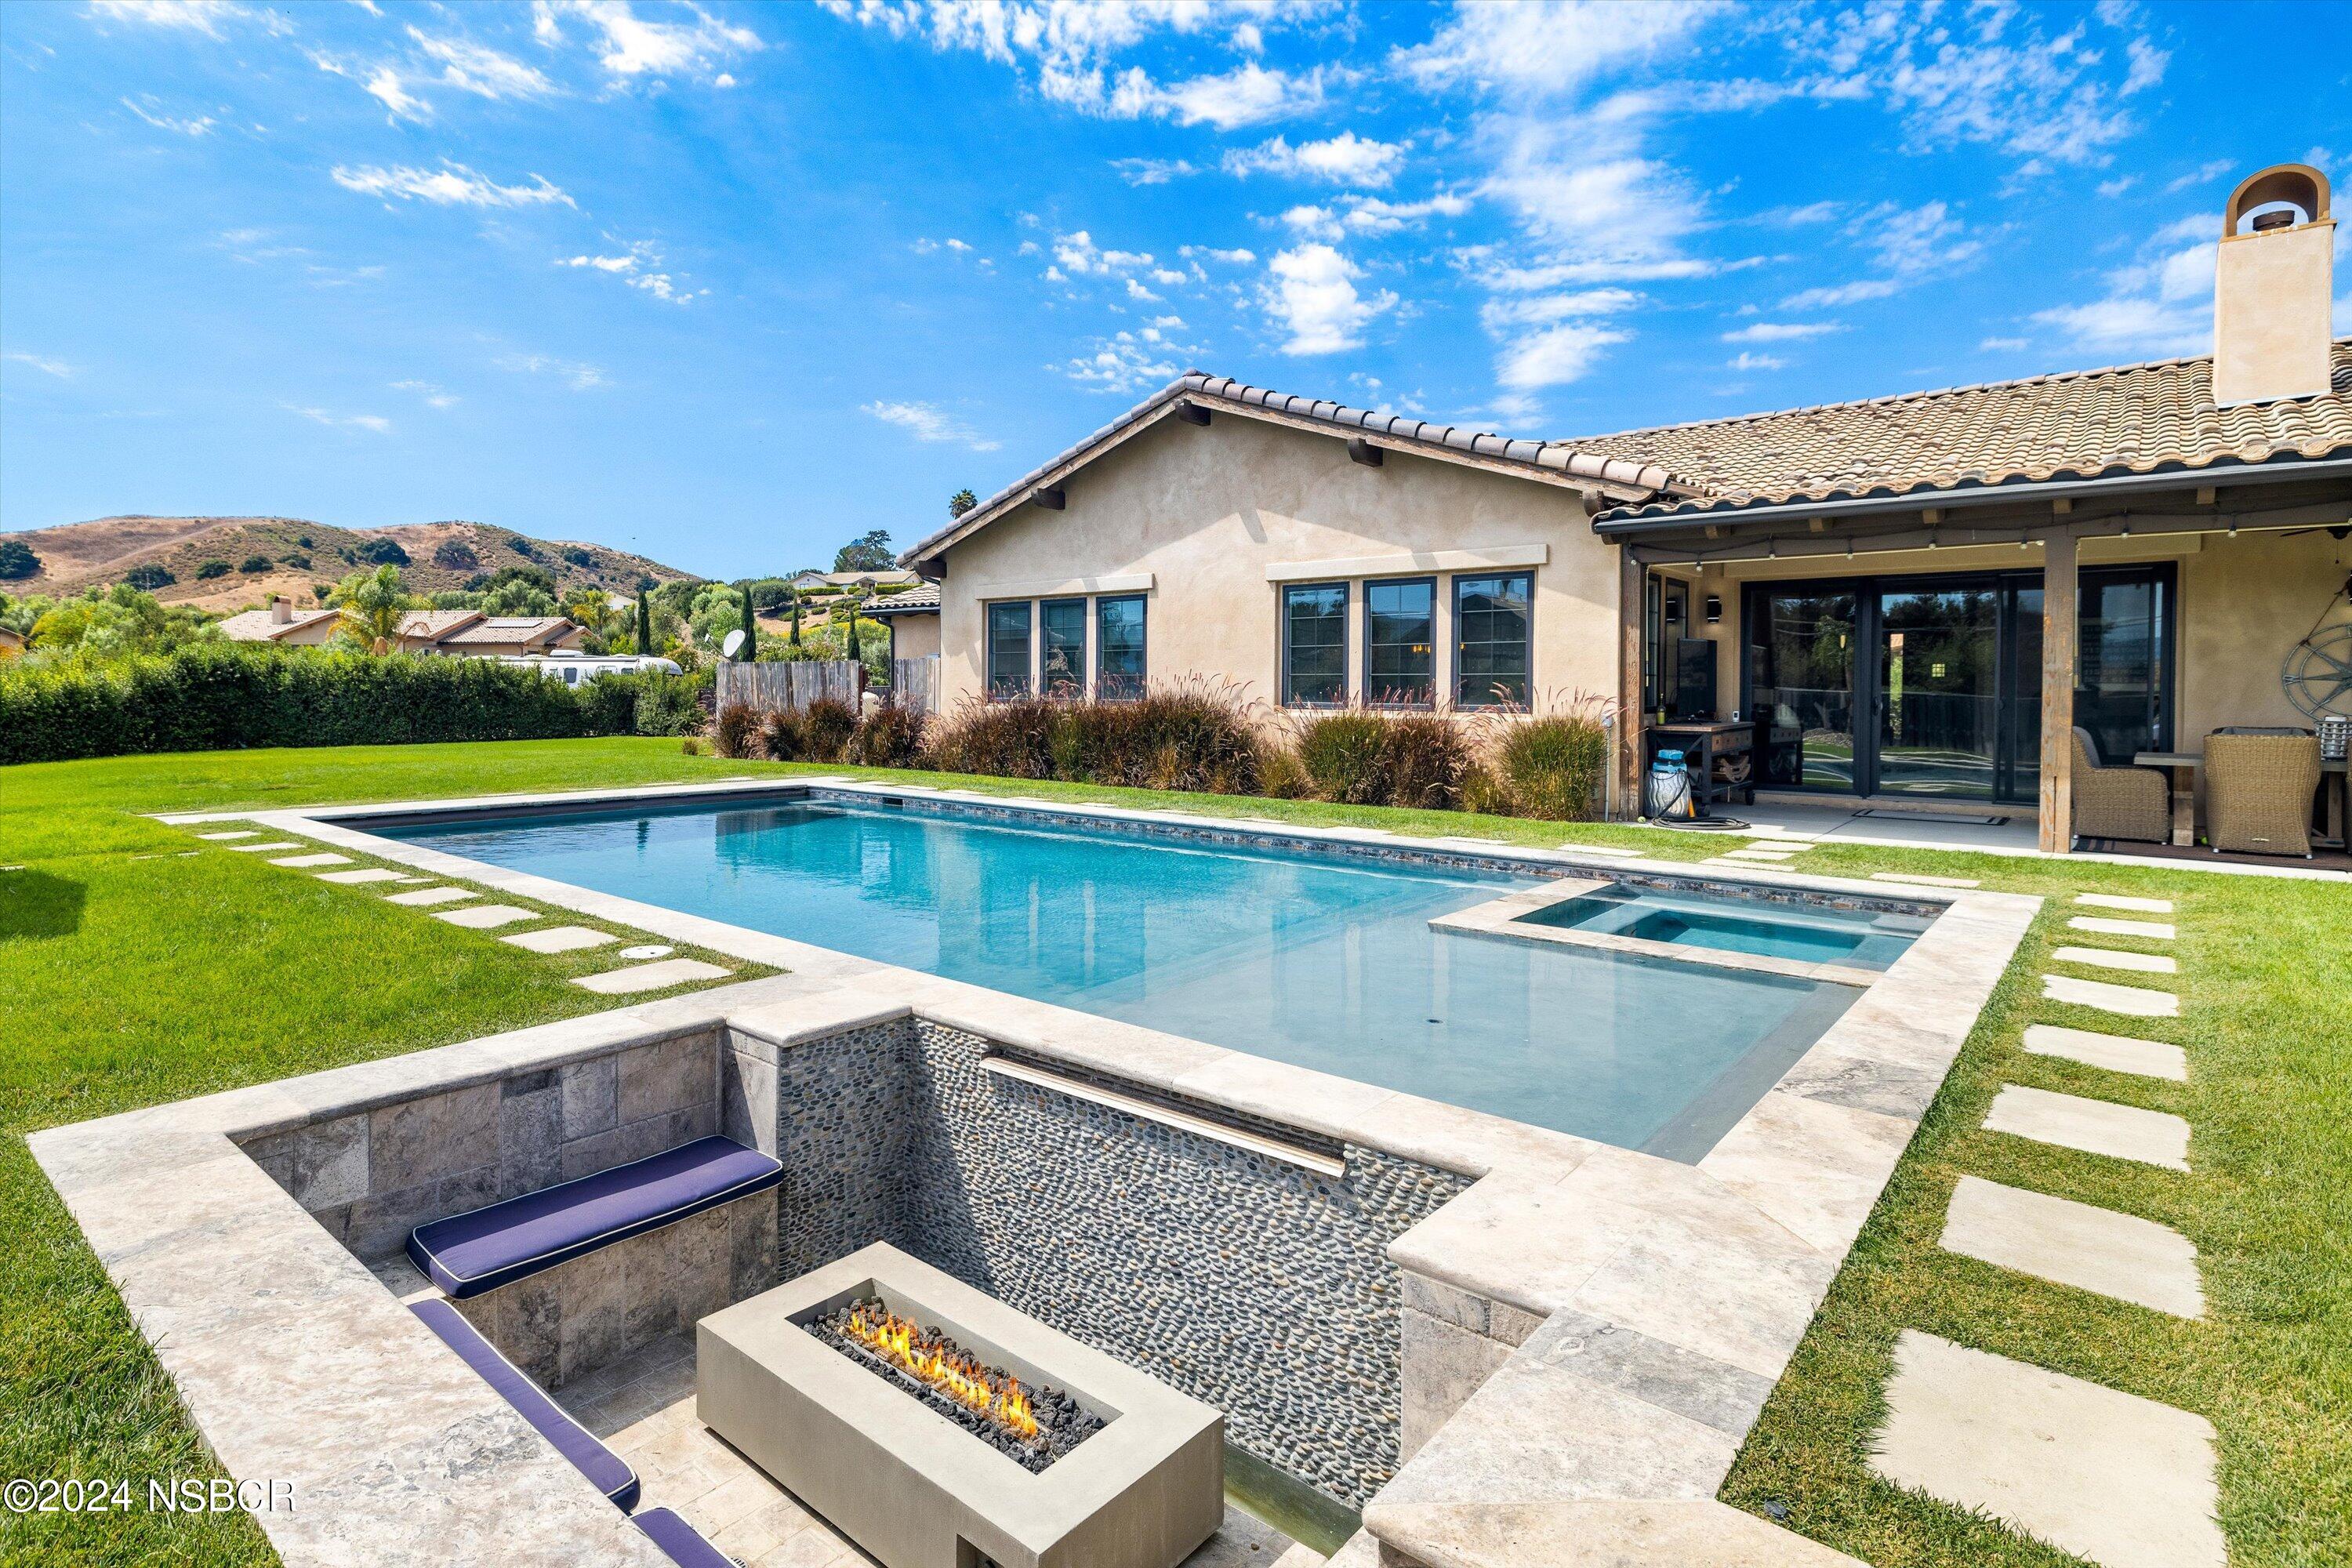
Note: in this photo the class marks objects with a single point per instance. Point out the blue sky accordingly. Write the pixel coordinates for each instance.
(729, 284)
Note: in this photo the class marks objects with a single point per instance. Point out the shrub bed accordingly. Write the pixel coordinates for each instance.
(1196, 736)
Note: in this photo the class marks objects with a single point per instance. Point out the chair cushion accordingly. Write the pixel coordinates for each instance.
(680, 1542)
(484, 1248)
(603, 1467)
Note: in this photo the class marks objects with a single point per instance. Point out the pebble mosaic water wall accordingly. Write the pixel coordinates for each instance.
(1252, 1283)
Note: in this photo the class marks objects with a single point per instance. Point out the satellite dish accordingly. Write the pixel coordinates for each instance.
(734, 641)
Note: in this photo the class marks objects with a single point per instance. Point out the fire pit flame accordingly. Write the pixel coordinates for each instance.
(959, 1376)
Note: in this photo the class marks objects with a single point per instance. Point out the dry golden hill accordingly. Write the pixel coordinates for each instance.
(225, 562)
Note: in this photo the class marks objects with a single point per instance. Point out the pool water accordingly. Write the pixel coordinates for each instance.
(1859, 939)
(1314, 957)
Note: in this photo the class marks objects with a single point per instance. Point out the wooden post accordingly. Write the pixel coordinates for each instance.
(2058, 627)
(1630, 579)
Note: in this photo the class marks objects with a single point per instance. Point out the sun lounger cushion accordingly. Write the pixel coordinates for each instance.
(484, 1248)
(603, 1467)
(680, 1542)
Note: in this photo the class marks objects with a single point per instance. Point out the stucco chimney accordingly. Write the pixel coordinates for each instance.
(2273, 286)
(281, 610)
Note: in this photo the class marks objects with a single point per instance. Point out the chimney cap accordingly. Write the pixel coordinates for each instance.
(2298, 184)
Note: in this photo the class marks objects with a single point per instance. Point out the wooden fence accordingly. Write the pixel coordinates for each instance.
(793, 686)
(914, 682)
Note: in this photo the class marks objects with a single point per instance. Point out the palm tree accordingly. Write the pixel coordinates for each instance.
(374, 604)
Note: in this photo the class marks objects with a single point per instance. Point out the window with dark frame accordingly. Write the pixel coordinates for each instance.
(1493, 621)
(1315, 645)
(1400, 642)
(1062, 623)
(1118, 648)
(1008, 649)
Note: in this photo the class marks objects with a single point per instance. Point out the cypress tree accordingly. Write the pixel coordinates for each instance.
(645, 624)
(796, 617)
(750, 629)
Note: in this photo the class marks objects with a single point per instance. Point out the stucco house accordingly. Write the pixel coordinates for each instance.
(467, 633)
(913, 618)
(1911, 598)
(280, 622)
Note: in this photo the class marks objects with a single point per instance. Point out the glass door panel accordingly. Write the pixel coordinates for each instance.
(1801, 653)
(1938, 693)
(2119, 694)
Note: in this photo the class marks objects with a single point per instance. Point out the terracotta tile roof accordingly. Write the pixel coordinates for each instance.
(510, 629)
(431, 625)
(256, 626)
(914, 601)
(2078, 425)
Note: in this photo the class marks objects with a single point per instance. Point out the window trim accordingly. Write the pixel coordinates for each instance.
(1372, 699)
(1461, 697)
(1142, 602)
(1281, 616)
(1046, 652)
(988, 683)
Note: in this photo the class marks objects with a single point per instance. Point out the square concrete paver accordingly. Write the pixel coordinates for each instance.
(431, 896)
(1922, 879)
(560, 939)
(2091, 1248)
(2111, 958)
(481, 917)
(304, 862)
(2093, 1126)
(364, 874)
(270, 844)
(2116, 1053)
(2130, 1001)
(2119, 902)
(646, 977)
(2121, 1480)
(2154, 930)
(225, 837)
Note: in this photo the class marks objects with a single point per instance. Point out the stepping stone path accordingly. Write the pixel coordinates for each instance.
(365, 874)
(431, 896)
(1922, 879)
(2075, 1244)
(2121, 1480)
(648, 976)
(2093, 1126)
(560, 939)
(2112, 958)
(2116, 1053)
(2117, 901)
(224, 838)
(2154, 931)
(304, 862)
(481, 917)
(273, 843)
(1772, 855)
(2131, 1001)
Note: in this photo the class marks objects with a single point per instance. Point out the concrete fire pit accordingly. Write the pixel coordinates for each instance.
(920, 1488)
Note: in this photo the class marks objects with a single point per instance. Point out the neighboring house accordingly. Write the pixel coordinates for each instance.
(12, 642)
(821, 582)
(491, 636)
(1867, 584)
(421, 631)
(913, 618)
(281, 621)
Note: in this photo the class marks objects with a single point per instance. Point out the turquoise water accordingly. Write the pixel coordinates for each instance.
(1315, 958)
(1859, 939)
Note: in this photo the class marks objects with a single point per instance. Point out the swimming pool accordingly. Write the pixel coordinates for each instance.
(1807, 933)
(1311, 957)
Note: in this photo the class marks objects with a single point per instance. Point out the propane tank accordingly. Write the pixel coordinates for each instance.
(1670, 788)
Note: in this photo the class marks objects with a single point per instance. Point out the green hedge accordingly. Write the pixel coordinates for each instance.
(221, 698)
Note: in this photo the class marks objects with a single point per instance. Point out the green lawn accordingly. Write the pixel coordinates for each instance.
(131, 972)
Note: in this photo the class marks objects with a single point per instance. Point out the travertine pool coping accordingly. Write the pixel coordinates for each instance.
(1652, 1303)
(1504, 918)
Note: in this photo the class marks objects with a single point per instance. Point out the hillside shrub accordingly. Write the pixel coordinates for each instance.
(18, 560)
(1553, 764)
(737, 731)
(150, 576)
(254, 564)
(456, 556)
(891, 736)
(383, 552)
(211, 569)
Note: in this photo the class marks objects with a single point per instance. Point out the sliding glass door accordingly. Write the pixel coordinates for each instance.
(1940, 690)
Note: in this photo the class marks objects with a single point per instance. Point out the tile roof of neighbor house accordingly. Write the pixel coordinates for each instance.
(432, 625)
(2087, 423)
(510, 629)
(913, 602)
(258, 626)
(2077, 424)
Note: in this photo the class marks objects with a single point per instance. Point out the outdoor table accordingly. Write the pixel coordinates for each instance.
(1702, 744)
(2183, 766)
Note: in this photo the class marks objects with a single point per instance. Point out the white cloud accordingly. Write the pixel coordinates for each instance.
(1544, 49)
(204, 16)
(1746, 360)
(1310, 293)
(1235, 257)
(1153, 171)
(1249, 94)
(55, 367)
(640, 266)
(199, 126)
(2001, 345)
(1779, 331)
(1550, 338)
(376, 423)
(1839, 294)
(1077, 254)
(385, 85)
(1498, 316)
(1910, 244)
(452, 184)
(431, 395)
(1345, 159)
(2161, 304)
(2203, 175)
(579, 376)
(927, 422)
(1556, 356)
(481, 70)
(630, 46)
(1371, 214)
(1119, 365)
(928, 246)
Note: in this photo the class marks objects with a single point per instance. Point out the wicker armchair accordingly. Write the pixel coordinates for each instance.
(2118, 802)
(2258, 790)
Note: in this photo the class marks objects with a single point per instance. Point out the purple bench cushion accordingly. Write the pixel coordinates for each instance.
(484, 1248)
(603, 1467)
(680, 1542)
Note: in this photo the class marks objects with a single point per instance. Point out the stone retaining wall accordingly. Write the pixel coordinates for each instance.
(1254, 1284)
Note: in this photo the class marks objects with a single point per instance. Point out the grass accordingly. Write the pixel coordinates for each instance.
(130, 975)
